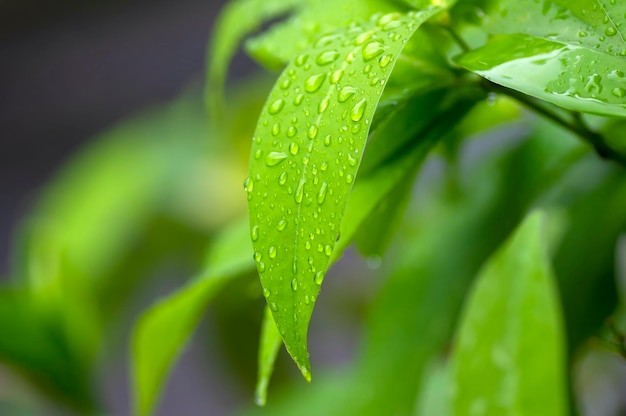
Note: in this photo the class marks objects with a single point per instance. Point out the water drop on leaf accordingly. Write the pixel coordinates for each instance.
(314, 82)
(275, 158)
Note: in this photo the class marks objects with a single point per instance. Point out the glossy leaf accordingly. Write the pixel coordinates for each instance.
(237, 20)
(268, 350)
(305, 156)
(569, 53)
(163, 330)
(509, 357)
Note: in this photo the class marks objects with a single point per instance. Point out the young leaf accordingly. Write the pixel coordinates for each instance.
(509, 358)
(569, 53)
(238, 18)
(268, 350)
(305, 156)
(163, 330)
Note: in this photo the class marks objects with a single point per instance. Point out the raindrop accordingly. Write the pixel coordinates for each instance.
(319, 278)
(327, 142)
(248, 184)
(298, 99)
(293, 148)
(313, 132)
(257, 256)
(274, 307)
(282, 179)
(336, 76)
(285, 84)
(274, 158)
(281, 225)
(328, 250)
(276, 129)
(323, 105)
(346, 93)
(272, 252)
(254, 233)
(294, 265)
(294, 284)
(314, 82)
(276, 106)
(619, 92)
(358, 110)
(327, 57)
(301, 59)
(291, 131)
(372, 50)
(352, 161)
(261, 267)
(349, 178)
(385, 60)
(299, 194)
(610, 31)
(363, 37)
(266, 292)
(258, 153)
(321, 195)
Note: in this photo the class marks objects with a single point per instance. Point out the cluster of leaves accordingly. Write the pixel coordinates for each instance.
(508, 257)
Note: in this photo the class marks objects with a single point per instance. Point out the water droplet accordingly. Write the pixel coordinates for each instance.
(327, 57)
(274, 158)
(258, 153)
(281, 225)
(313, 132)
(372, 50)
(276, 106)
(274, 306)
(352, 161)
(582, 34)
(298, 99)
(266, 292)
(299, 194)
(324, 165)
(291, 131)
(261, 266)
(349, 178)
(257, 256)
(248, 184)
(282, 179)
(610, 31)
(301, 59)
(314, 82)
(294, 265)
(385, 60)
(254, 233)
(272, 252)
(323, 105)
(321, 195)
(327, 140)
(319, 278)
(293, 148)
(358, 110)
(619, 92)
(363, 37)
(285, 84)
(328, 250)
(276, 129)
(346, 93)
(294, 284)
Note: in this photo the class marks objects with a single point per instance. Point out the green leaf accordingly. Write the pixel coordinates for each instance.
(268, 350)
(509, 358)
(239, 18)
(162, 331)
(305, 156)
(569, 53)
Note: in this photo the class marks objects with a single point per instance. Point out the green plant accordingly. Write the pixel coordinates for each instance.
(524, 235)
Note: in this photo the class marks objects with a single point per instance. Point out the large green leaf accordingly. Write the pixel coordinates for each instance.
(163, 330)
(509, 357)
(570, 53)
(239, 18)
(305, 156)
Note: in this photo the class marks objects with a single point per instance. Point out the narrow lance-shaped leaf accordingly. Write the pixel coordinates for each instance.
(305, 156)
(510, 353)
(569, 53)
(163, 330)
(268, 350)
(238, 18)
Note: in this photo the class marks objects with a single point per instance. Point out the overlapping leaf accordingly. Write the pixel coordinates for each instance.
(268, 350)
(305, 156)
(570, 53)
(510, 354)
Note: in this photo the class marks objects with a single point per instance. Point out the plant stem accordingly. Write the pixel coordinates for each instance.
(579, 128)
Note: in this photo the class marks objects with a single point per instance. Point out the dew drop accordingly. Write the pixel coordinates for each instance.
(327, 57)
(314, 82)
(610, 31)
(274, 306)
(318, 278)
(327, 140)
(257, 256)
(313, 132)
(293, 148)
(299, 194)
(254, 233)
(282, 224)
(385, 60)
(276, 106)
(619, 92)
(248, 184)
(352, 161)
(282, 179)
(363, 37)
(349, 178)
(294, 265)
(261, 267)
(321, 195)
(301, 59)
(275, 158)
(292, 131)
(285, 84)
(323, 105)
(276, 129)
(266, 292)
(346, 93)
(298, 99)
(358, 110)
(258, 153)
(294, 284)
(336, 76)
(372, 50)
(328, 250)
(272, 252)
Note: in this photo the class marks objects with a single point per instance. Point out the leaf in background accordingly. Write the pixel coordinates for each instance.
(509, 358)
(569, 53)
(162, 331)
(238, 19)
(268, 350)
(305, 156)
